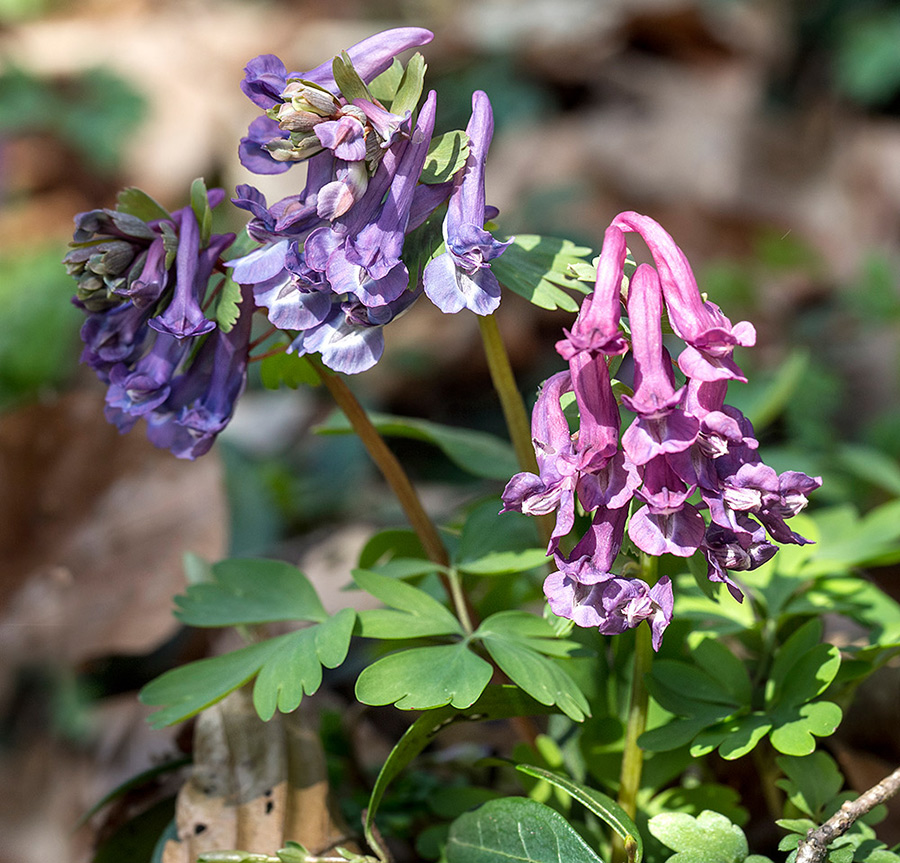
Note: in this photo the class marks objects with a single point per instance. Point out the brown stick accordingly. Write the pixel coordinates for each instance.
(814, 847)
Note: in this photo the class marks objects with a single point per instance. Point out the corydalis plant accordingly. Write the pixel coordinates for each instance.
(685, 451)
(334, 265)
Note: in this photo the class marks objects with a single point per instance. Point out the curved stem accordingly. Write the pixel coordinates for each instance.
(388, 465)
(517, 422)
(633, 755)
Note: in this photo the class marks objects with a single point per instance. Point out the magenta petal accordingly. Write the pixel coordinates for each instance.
(680, 533)
(596, 328)
(646, 439)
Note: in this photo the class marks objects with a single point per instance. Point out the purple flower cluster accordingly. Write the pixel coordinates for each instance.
(142, 285)
(331, 267)
(684, 444)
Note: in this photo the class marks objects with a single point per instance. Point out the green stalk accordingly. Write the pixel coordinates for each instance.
(514, 413)
(388, 464)
(633, 755)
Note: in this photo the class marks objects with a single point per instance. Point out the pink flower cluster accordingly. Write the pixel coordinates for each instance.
(685, 451)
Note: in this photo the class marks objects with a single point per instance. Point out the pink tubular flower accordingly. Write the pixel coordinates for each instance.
(710, 336)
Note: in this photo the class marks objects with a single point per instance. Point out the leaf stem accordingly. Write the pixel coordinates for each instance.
(633, 755)
(517, 422)
(459, 600)
(387, 463)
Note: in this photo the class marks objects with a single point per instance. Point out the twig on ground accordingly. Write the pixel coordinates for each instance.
(814, 847)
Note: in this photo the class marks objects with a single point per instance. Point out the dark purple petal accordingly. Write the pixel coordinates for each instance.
(265, 78)
(183, 317)
(252, 152)
(598, 437)
(679, 533)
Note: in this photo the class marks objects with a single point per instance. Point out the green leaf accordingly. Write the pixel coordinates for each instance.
(540, 677)
(389, 544)
(515, 829)
(250, 591)
(497, 702)
(295, 669)
(227, 311)
(802, 826)
(812, 781)
(348, 80)
(676, 733)
(792, 651)
(708, 838)
(479, 453)
(287, 666)
(530, 629)
(795, 727)
(290, 370)
(138, 203)
(717, 660)
(734, 738)
(537, 268)
(447, 154)
(170, 242)
(201, 208)
(872, 465)
(811, 675)
(505, 562)
(412, 613)
(410, 87)
(384, 86)
(602, 806)
(492, 543)
(190, 688)
(689, 684)
(425, 677)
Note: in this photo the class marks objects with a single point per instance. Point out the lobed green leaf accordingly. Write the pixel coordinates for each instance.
(249, 591)
(446, 156)
(537, 268)
(540, 677)
(412, 613)
(425, 677)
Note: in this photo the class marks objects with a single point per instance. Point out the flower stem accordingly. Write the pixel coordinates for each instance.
(513, 407)
(388, 465)
(459, 601)
(633, 755)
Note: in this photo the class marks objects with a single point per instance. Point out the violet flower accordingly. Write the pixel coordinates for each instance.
(710, 336)
(584, 590)
(553, 489)
(596, 328)
(268, 148)
(667, 523)
(661, 426)
(461, 276)
(350, 337)
(183, 317)
(202, 398)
